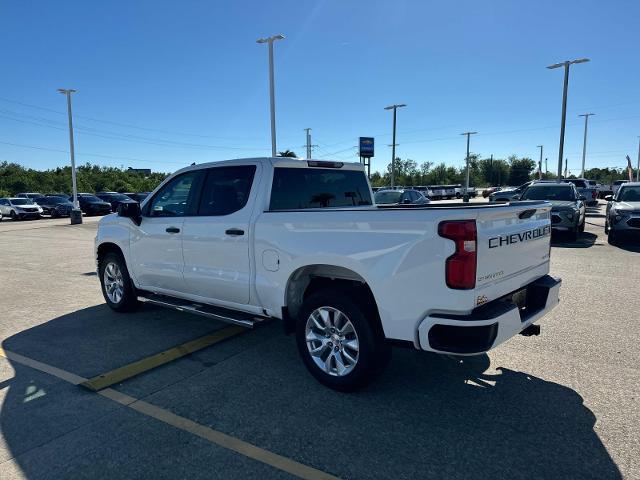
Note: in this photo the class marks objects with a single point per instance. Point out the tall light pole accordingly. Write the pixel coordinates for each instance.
(638, 171)
(584, 142)
(76, 214)
(272, 96)
(541, 147)
(566, 65)
(465, 198)
(308, 130)
(393, 143)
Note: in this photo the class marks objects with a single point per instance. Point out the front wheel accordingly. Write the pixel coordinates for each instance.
(338, 342)
(117, 288)
(13, 215)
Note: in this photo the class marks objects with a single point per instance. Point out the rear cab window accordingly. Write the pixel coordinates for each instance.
(302, 188)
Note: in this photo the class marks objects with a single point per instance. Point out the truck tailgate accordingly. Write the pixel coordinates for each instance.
(513, 248)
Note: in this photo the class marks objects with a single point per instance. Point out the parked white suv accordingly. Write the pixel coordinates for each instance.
(20, 208)
(248, 240)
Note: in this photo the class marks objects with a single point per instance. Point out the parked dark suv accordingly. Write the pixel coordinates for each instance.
(138, 197)
(53, 205)
(114, 199)
(92, 205)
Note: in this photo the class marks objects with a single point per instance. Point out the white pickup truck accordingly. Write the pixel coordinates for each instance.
(245, 241)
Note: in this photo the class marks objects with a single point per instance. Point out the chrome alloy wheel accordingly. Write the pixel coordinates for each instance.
(113, 282)
(332, 341)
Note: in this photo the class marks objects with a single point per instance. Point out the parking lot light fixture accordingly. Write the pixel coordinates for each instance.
(393, 143)
(541, 147)
(272, 100)
(465, 197)
(638, 170)
(566, 64)
(584, 142)
(76, 214)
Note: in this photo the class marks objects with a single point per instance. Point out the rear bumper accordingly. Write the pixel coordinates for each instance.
(489, 325)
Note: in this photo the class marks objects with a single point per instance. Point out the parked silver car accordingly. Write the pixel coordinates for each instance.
(623, 210)
(19, 208)
(567, 206)
(400, 197)
(507, 193)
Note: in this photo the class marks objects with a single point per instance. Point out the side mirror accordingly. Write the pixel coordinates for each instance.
(406, 201)
(516, 197)
(583, 198)
(609, 198)
(130, 210)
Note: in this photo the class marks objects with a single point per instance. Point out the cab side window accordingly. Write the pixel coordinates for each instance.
(177, 197)
(226, 190)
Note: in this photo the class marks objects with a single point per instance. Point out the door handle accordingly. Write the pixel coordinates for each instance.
(172, 230)
(236, 232)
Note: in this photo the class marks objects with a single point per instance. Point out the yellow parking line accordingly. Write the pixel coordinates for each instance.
(136, 368)
(223, 440)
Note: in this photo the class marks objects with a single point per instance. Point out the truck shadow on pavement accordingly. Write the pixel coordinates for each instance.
(428, 416)
(584, 240)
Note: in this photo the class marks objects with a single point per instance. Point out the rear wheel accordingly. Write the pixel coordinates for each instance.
(338, 342)
(117, 288)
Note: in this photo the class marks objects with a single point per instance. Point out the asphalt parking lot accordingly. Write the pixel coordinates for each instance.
(565, 404)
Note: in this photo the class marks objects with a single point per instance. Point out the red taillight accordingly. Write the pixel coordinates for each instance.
(460, 267)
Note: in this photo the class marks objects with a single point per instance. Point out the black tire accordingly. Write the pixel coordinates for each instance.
(129, 300)
(373, 355)
(581, 227)
(612, 237)
(54, 213)
(13, 215)
(606, 227)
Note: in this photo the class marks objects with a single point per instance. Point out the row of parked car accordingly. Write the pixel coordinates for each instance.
(435, 192)
(34, 205)
(589, 188)
(569, 199)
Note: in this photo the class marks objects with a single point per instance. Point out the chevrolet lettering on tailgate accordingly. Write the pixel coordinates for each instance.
(539, 232)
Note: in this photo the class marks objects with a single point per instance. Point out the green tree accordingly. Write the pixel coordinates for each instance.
(15, 178)
(287, 153)
(520, 169)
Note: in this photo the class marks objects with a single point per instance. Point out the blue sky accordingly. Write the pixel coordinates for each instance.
(180, 82)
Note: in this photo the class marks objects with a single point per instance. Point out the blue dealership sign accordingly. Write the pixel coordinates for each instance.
(366, 147)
